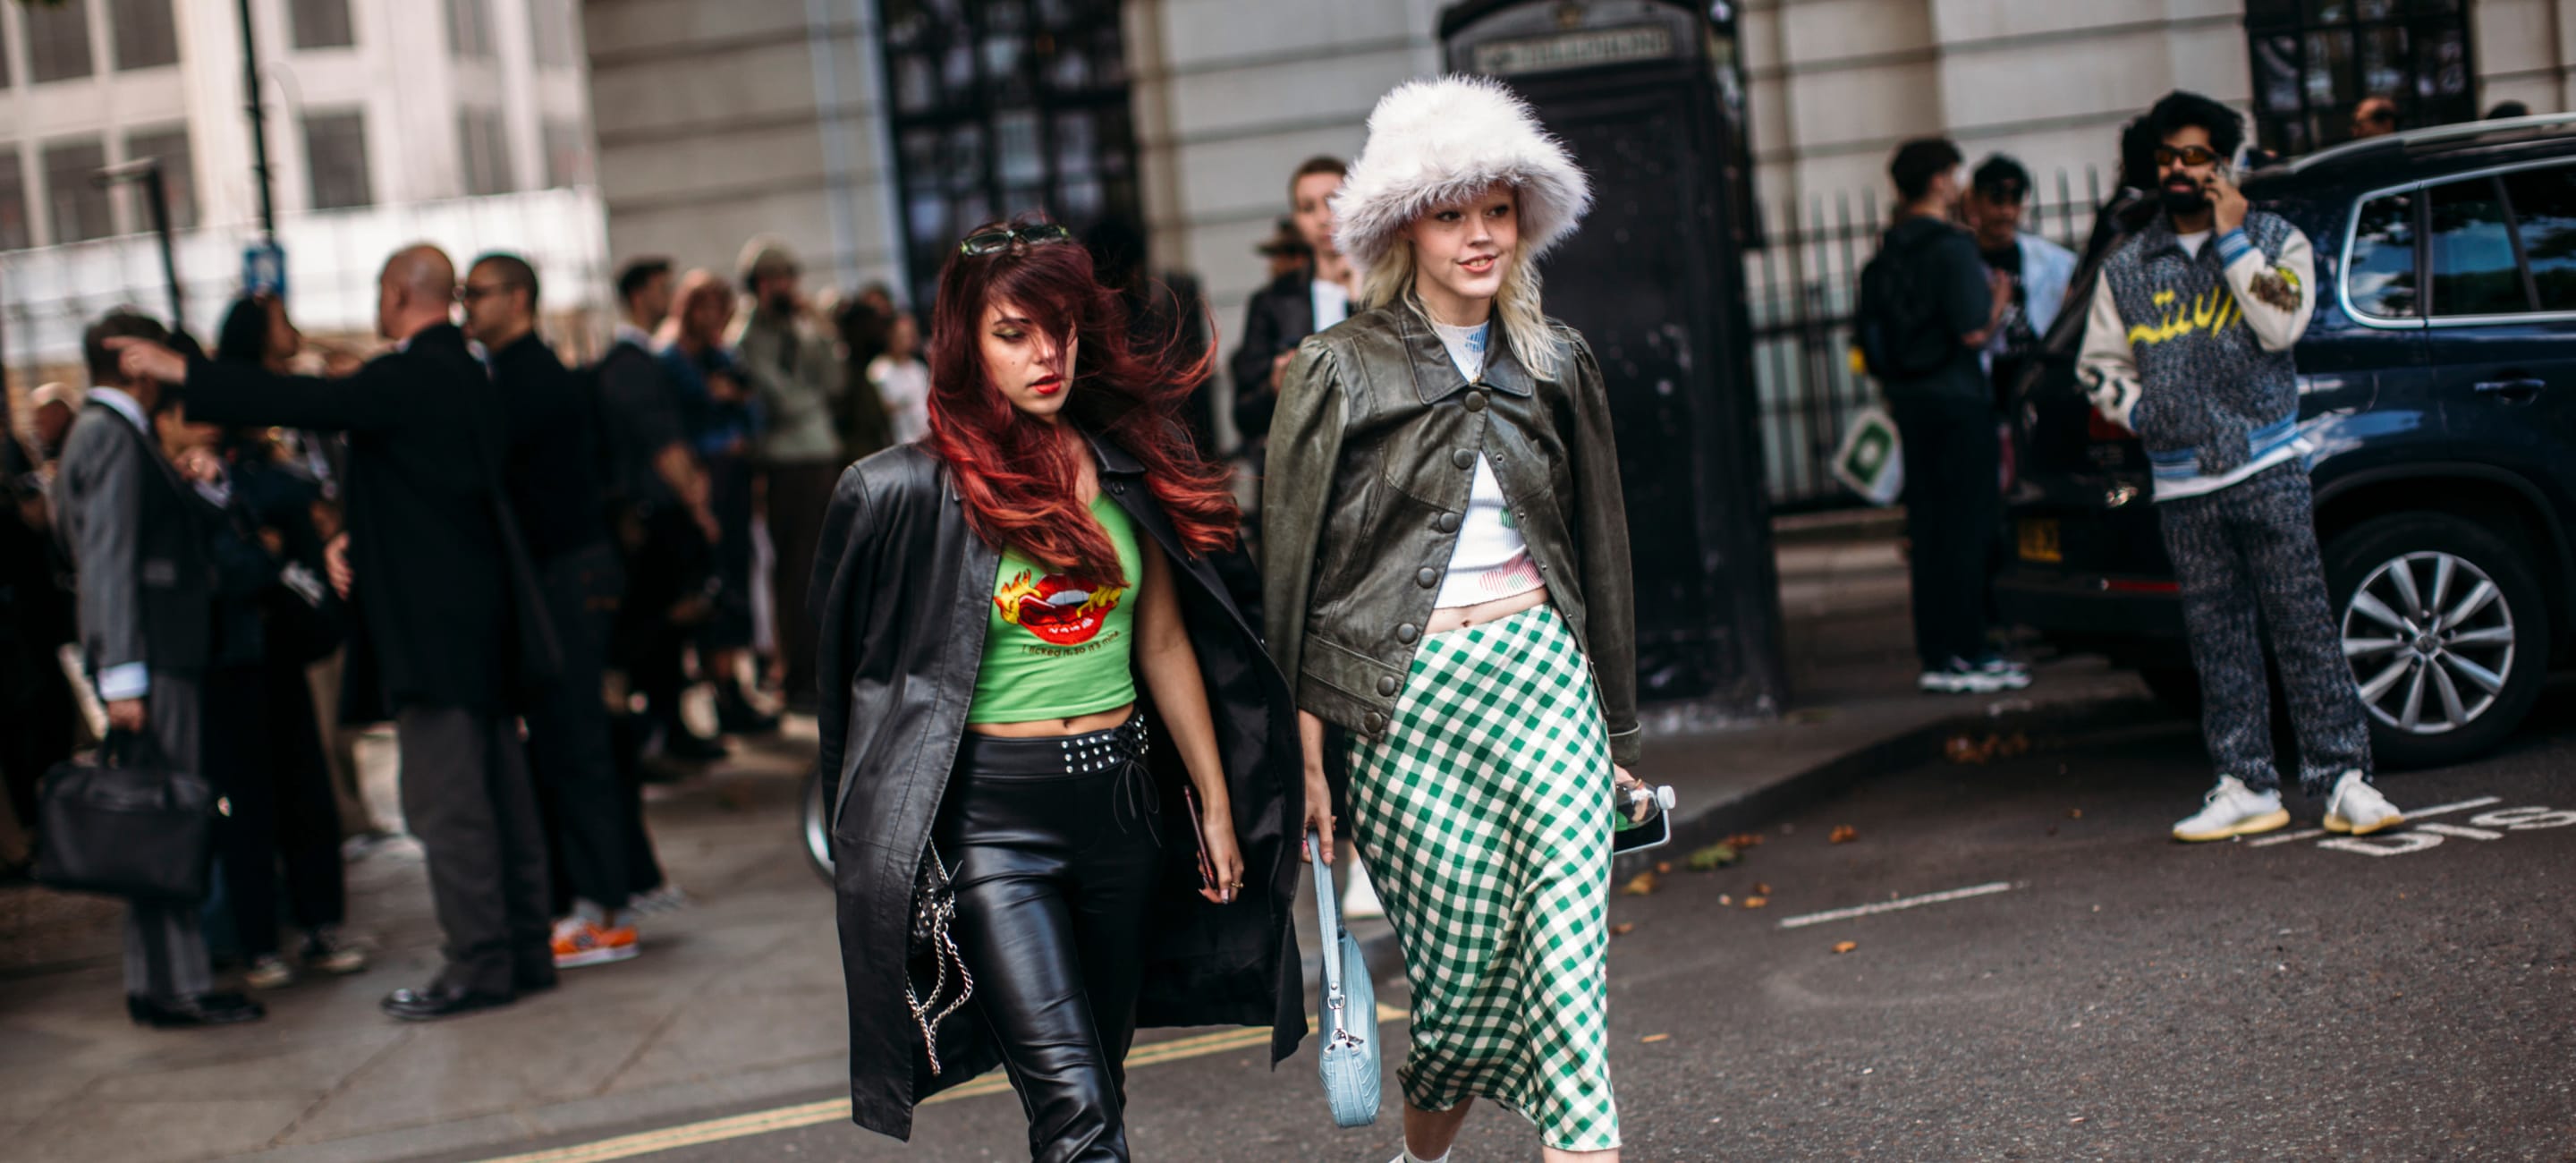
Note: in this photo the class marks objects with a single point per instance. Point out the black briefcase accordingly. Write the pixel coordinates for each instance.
(126, 825)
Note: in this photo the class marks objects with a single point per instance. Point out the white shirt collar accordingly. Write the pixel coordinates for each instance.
(629, 333)
(125, 406)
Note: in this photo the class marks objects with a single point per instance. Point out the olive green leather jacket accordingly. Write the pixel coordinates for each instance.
(1371, 455)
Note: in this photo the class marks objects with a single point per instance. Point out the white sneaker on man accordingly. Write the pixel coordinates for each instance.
(2358, 808)
(2233, 809)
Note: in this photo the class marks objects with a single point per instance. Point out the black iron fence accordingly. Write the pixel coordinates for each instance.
(1800, 288)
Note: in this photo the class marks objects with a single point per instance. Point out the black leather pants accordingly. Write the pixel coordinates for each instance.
(1054, 847)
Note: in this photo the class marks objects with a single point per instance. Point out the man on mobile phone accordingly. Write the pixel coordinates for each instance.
(2188, 345)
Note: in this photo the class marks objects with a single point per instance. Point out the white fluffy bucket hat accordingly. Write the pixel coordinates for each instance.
(1433, 142)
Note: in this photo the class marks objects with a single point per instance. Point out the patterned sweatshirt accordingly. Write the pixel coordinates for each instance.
(2192, 351)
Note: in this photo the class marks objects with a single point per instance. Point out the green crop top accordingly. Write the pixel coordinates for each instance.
(1059, 646)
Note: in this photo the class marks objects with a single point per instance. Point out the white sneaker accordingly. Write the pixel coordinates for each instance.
(2233, 809)
(2358, 808)
(1360, 899)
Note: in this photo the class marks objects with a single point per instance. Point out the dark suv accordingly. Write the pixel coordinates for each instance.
(2438, 384)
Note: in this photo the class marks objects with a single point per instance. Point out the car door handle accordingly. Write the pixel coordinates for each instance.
(2512, 391)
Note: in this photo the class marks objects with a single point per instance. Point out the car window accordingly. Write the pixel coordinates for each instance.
(2379, 276)
(2474, 272)
(2544, 207)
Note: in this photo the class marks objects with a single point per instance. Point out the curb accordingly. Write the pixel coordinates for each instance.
(1753, 809)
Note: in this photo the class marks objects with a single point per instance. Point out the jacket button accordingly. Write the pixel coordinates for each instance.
(1373, 722)
(1407, 632)
(1386, 684)
(1463, 458)
(1446, 522)
(1476, 401)
(1426, 577)
(1117, 486)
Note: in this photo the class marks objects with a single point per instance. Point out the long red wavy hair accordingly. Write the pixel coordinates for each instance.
(1018, 476)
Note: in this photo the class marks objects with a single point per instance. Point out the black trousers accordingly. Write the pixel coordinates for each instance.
(799, 496)
(465, 794)
(263, 753)
(1054, 847)
(673, 563)
(580, 793)
(1953, 515)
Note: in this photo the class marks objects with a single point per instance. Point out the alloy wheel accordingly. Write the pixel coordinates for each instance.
(2430, 638)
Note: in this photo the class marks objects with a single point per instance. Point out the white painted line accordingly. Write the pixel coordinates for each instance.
(2465, 833)
(2285, 837)
(1892, 906)
(2445, 809)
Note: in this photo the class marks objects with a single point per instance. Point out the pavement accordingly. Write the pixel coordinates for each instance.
(735, 1006)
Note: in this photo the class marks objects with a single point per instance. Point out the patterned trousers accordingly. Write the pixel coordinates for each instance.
(2250, 549)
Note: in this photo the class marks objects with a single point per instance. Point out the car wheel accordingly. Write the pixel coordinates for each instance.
(814, 827)
(2446, 630)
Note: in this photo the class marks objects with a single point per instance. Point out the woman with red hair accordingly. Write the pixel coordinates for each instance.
(1061, 767)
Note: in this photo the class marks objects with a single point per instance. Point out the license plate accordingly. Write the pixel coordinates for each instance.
(2039, 540)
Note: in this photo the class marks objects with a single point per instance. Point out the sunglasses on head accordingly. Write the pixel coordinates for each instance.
(2190, 155)
(987, 242)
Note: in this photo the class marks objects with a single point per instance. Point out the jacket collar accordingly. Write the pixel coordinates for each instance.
(1113, 460)
(1435, 375)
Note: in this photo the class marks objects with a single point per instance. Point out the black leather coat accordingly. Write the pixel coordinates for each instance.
(903, 595)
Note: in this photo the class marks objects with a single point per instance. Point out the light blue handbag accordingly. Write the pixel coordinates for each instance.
(1347, 1021)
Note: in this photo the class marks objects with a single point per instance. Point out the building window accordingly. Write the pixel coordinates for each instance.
(72, 191)
(144, 32)
(2314, 60)
(57, 40)
(485, 143)
(335, 160)
(178, 176)
(15, 231)
(469, 28)
(1003, 108)
(320, 24)
(567, 154)
(550, 33)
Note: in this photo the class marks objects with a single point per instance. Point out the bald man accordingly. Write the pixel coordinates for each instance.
(442, 591)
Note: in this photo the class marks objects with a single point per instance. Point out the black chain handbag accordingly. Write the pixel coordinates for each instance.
(934, 917)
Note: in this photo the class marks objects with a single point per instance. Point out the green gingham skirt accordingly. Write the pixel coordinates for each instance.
(1483, 812)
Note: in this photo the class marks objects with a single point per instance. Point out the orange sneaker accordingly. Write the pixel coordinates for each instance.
(580, 942)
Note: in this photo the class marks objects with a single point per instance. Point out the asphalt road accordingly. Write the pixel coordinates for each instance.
(2125, 997)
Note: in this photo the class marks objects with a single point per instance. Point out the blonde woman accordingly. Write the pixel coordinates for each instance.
(1448, 587)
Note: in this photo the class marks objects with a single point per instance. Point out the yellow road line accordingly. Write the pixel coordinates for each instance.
(788, 1118)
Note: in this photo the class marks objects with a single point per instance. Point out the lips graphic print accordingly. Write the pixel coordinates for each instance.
(1059, 610)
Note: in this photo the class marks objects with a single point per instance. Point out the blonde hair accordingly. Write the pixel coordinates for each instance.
(1533, 342)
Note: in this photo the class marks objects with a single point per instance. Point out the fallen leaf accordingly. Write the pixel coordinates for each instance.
(1744, 840)
(1843, 834)
(1651, 1039)
(1761, 889)
(1845, 946)
(1724, 899)
(1713, 857)
(1623, 928)
(1642, 884)
(1755, 902)
(1663, 868)
(2075, 813)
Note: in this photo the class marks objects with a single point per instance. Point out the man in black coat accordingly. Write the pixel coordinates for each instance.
(553, 479)
(436, 583)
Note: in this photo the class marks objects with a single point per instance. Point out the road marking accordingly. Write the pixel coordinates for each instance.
(2285, 837)
(1892, 906)
(2446, 809)
(788, 1118)
(2464, 833)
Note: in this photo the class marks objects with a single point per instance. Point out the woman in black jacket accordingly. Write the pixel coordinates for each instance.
(1035, 689)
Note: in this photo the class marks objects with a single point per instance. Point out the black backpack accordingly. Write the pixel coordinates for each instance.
(1898, 326)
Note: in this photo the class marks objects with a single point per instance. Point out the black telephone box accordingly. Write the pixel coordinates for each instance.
(1647, 95)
